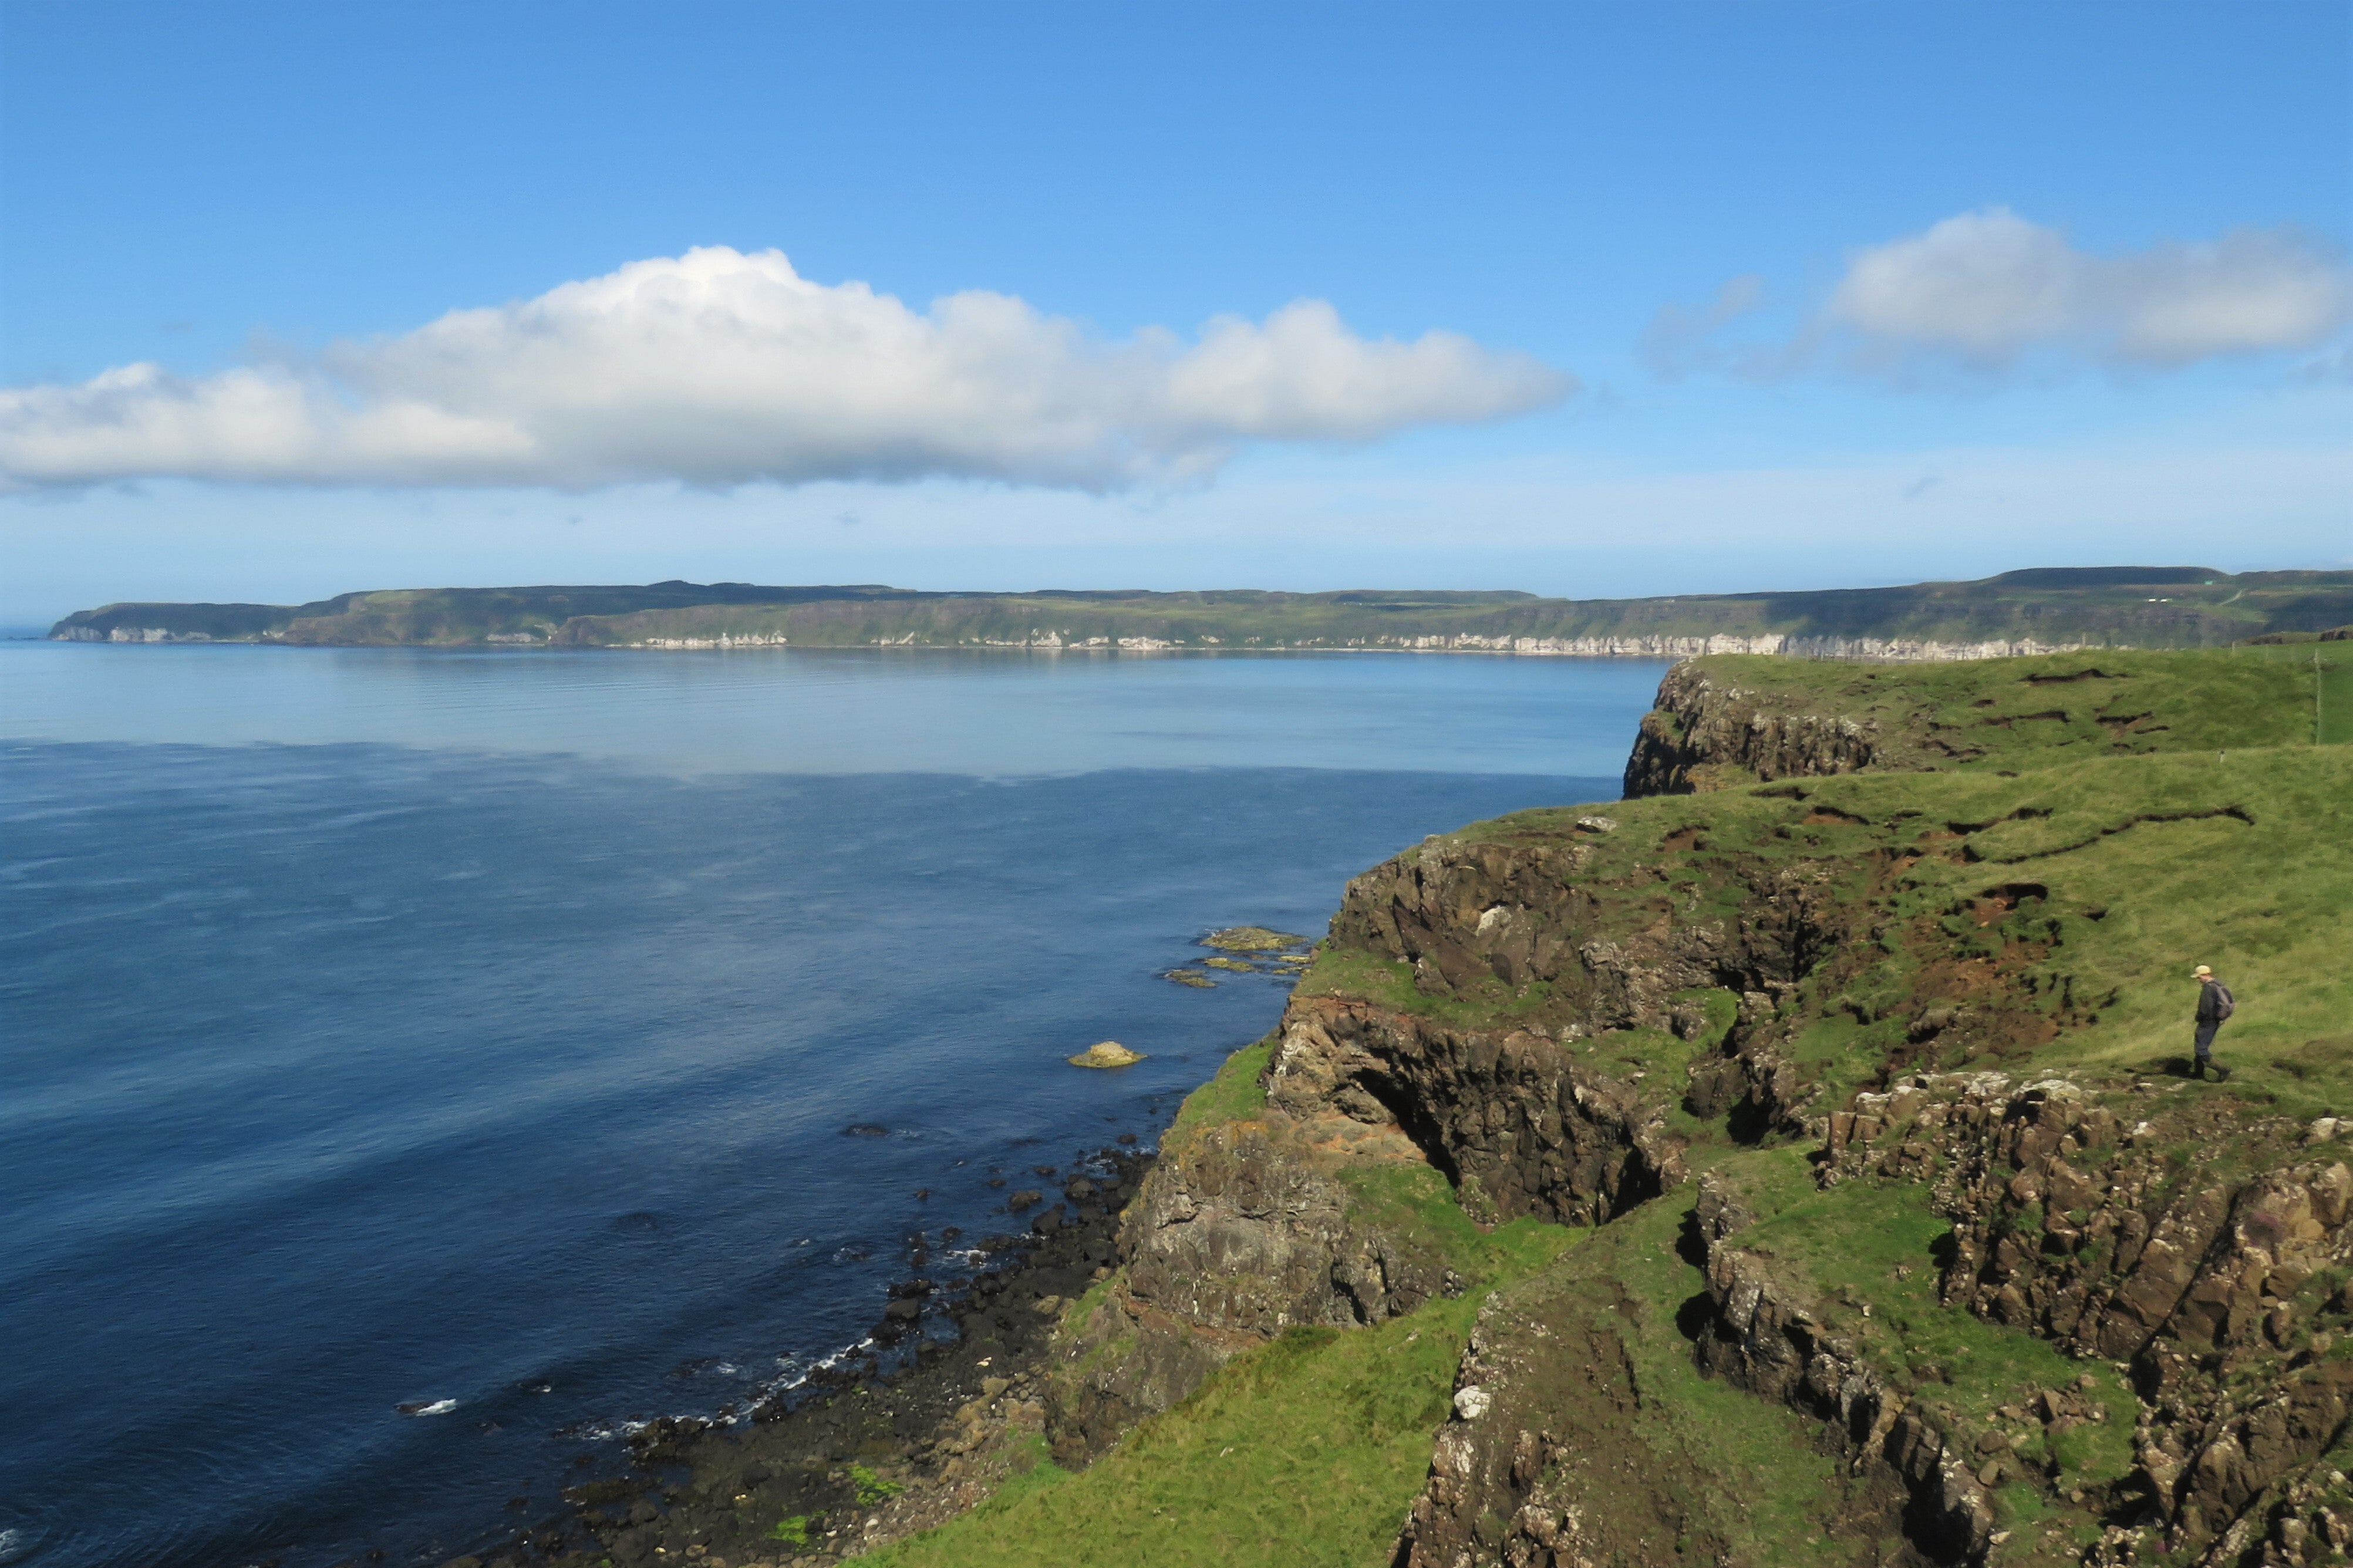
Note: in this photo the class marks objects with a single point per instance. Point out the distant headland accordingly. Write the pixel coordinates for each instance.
(2043, 609)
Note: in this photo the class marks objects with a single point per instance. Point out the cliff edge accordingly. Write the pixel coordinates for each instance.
(1800, 1163)
(1794, 1171)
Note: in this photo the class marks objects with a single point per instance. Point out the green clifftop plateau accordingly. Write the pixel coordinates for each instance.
(1796, 1164)
(2018, 612)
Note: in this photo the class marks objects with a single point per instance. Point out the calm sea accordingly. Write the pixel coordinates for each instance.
(477, 1033)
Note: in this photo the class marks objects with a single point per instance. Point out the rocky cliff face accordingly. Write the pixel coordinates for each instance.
(2204, 1254)
(1251, 1230)
(1704, 733)
(1785, 1054)
(1514, 1119)
(1252, 1226)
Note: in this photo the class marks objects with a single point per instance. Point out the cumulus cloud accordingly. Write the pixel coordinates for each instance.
(720, 368)
(1990, 286)
(1988, 289)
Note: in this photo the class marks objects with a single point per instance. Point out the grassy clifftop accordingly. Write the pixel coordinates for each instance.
(1906, 1237)
(1734, 719)
(2133, 607)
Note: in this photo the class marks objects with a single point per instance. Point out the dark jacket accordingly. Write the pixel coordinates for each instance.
(2209, 1002)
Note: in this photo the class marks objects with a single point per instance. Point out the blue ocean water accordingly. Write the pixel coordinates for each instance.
(478, 1032)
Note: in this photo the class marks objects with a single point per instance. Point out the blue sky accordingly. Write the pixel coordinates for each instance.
(2000, 285)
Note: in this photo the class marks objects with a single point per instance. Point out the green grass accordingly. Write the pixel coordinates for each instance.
(1414, 1201)
(1304, 1452)
(1233, 1094)
(1485, 1001)
(2145, 866)
(2133, 904)
(2333, 663)
(2048, 710)
(2190, 613)
(872, 1488)
(2116, 870)
(1765, 1474)
(1866, 1253)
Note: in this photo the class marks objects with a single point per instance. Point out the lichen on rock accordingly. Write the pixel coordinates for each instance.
(1106, 1054)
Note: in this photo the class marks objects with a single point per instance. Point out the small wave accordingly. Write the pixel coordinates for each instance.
(428, 1407)
(706, 1366)
(600, 1431)
(16, 1542)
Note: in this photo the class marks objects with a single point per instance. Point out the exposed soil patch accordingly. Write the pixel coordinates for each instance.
(2235, 813)
(2000, 903)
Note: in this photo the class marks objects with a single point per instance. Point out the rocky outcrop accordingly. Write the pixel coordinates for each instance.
(1251, 1231)
(1517, 1124)
(1563, 1452)
(1539, 1008)
(1703, 735)
(2124, 1237)
(1244, 1229)
(1460, 913)
(1247, 1226)
(1558, 1457)
(1513, 1107)
(1550, 1460)
(2114, 1230)
(1764, 1335)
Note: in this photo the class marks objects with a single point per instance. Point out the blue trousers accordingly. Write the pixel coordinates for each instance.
(2206, 1041)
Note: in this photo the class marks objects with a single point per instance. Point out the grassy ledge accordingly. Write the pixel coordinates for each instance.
(1303, 1453)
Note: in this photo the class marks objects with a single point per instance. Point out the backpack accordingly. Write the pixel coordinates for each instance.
(2224, 1003)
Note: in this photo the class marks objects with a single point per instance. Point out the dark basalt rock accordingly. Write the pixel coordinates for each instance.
(1698, 727)
(724, 1488)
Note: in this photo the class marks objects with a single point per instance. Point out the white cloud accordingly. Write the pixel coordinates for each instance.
(1989, 286)
(719, 368)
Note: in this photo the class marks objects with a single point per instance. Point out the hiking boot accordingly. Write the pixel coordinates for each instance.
(2198, 1069)
(2221, 1075)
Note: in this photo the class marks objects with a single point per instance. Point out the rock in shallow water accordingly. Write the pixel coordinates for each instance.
(1252, 938)
(1106, 1054)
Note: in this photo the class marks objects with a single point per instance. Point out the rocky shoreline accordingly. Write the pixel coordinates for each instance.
(943, 1407)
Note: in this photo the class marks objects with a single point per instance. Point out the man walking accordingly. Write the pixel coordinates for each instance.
(2215, 1003)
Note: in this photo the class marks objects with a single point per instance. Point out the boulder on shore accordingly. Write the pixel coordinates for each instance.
(1106, 1054)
